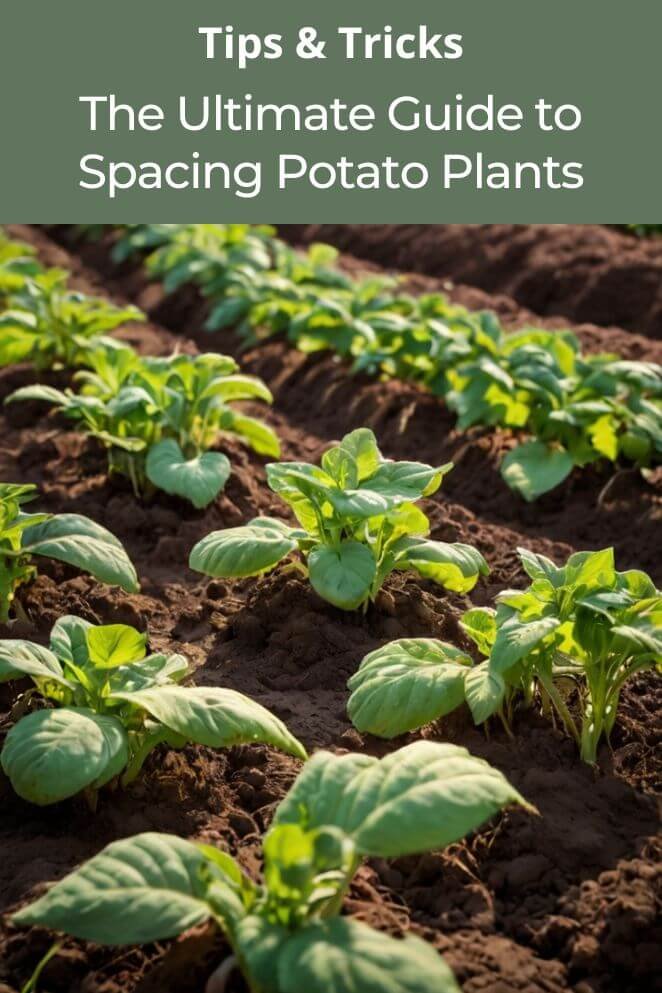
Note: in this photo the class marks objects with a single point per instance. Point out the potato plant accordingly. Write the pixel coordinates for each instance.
(158, 418)
(286, 932)
(358, 522)
(69, 538)
(109, 705)
(582, 625)
(51, 326)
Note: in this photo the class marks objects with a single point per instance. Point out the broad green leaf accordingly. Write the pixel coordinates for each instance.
(24, 658)
(80, 542)
(406, 481)
(356, 456)
(592, 569)
(342, 955)
(249, 550)
(405, 685)
(342, 575)
(255, 433)
(199, 480)
(421, 797)
(156, 670)
(146, 888)
(515, 639)
(538, 566)
(217, 717)
(69, 639)
(237, 387)
(604, 437)
(484, 690)
(533, 468)
(479, 624)
(359, 504)
(260, 943)
(111, 645)
(16, 344)
(53, 754)
(39, 392)
(456, 567)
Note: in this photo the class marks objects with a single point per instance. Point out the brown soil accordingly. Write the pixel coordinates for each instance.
(585, 272)
(568, 901)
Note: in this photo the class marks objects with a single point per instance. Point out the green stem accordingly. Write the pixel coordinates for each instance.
(560, 706)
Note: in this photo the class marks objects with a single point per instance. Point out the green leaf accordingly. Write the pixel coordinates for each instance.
(342, 575)
(199, 480)
(590, 569)
(533, 468)
(250, 550)
(604, 437)
(479, 624)
(155, 670)
(260, 942)
(405, 685)
(80, 542)
(39, 392)
(406, 481)
(484, 689)
(515, 639)
(538, 566)
(146, 888)
(69, 639)
(110, 645)
(255, 433)
(53, 754)
(456, 567)
(219, 718)
(237, 387)
(421, 797)
(24, 658)
(342, 955)
(355, 459)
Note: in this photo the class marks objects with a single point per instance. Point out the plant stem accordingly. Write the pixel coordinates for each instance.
(560, 706)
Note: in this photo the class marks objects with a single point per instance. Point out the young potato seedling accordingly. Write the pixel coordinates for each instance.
(50, 326)
(582, 624)
(110, 704)
(358, 522)
(69, 538)
(158, 417)
(286, 932)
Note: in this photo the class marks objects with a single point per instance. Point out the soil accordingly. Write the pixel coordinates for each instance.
(565, 901)
(584, 272)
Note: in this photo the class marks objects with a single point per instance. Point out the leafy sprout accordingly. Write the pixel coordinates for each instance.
(286, 931)
(109, 705)
(358, 522)
(69, 538)
(49, 325)
(582, 626)
(158, 418)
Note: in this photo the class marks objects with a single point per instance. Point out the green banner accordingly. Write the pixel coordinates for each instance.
(467, 111)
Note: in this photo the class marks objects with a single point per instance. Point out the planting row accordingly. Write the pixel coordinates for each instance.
(584, 272)
(572, 409)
